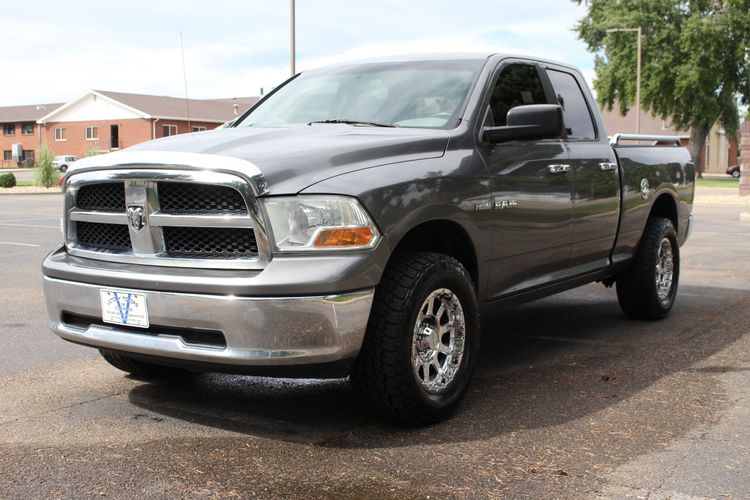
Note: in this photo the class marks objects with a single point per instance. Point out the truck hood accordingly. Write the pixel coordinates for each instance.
(293, 158)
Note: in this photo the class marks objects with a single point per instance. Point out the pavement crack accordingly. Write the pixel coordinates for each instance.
(59, 408)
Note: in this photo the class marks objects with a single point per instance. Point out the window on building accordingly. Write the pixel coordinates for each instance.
(7, 155)
(28, 155)
(168, 130)
(198, 129)
(60, 134)
(27, 128)
(92, 133)
(9, 129)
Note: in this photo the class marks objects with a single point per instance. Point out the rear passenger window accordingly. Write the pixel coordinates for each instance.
(518, 84)
(578, 124)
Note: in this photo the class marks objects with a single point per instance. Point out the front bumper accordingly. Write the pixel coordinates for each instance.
(258, 331)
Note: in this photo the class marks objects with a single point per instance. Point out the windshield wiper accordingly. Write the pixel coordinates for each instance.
(354, 122)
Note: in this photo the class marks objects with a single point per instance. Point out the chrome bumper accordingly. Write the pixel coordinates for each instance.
(259, 332)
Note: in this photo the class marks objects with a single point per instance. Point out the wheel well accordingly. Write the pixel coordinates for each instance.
(444, 237)
(664, 206)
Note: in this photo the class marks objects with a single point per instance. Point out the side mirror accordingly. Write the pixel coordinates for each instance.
(533, 121)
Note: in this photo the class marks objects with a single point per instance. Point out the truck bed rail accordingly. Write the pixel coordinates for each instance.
(616, 139)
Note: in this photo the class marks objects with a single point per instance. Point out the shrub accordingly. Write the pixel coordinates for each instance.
(46, 174)
(7, 180)
(92, 150)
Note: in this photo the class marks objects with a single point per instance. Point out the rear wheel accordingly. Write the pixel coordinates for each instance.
(422, 337)
(63, 168)
(648, 287)
(736, 173)
(140, 369)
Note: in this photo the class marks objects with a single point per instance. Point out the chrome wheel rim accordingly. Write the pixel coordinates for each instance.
(438, 341)
(664, 269)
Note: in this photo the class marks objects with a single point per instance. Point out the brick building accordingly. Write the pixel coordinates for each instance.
(102, 121)
(20, 127)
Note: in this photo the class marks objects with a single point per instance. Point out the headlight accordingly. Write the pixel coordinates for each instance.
(303, 223)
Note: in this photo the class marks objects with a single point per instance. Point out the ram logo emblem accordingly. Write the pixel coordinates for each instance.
(136, 217)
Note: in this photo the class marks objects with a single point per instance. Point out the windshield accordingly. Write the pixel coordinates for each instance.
(423, 94)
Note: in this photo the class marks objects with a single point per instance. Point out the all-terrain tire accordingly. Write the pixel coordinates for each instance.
(647, 288)
(391, 372)
(138, 368)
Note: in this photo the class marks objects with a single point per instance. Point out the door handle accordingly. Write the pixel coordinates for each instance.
(605, 166)
(558, 169)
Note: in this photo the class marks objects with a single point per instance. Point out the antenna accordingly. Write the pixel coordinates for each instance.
(184, 77)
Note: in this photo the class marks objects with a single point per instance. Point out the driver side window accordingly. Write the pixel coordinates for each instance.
(518, 84)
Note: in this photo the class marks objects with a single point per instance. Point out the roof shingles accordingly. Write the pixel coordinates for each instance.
(29, 113)
(209, 110)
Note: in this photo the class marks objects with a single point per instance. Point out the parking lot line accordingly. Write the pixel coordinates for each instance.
(18, 244)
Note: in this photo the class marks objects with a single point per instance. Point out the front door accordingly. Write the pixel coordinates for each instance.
(114, 136)
(531, 188)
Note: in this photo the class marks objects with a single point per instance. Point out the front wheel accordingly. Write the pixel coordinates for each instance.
(736, 173)
(421, 341)
(648, 287)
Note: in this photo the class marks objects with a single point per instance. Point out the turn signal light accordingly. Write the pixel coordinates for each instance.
(344, 237)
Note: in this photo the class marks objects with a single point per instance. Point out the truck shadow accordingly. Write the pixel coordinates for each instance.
(542, 364)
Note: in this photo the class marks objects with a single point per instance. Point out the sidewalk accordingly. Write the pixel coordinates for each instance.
(30, 190)
(4, 170)
(725, 196)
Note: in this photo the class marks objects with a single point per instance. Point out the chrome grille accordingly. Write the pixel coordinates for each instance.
(166, 218)
(210, 242)
(109, 237)
(185, 198)
(105, 197)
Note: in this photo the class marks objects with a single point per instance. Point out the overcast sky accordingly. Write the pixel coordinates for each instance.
(55, 51)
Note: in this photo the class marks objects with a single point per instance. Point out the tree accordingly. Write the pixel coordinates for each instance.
(695, 60)
(46, 174)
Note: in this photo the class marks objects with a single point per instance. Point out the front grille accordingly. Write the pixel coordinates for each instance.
(189, 218)
(104, 197)
(108, 237)
(210, 242)
(187, 198)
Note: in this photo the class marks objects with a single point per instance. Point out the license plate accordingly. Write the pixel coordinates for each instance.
(124, 308)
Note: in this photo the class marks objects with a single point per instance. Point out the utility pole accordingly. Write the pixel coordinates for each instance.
(292, 17)
(39, 128)
(637, 75)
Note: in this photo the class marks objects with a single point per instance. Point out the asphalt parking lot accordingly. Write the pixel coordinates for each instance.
(570, 400)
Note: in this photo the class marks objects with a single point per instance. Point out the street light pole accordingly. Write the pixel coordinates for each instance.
(637, 75)
(292, 17)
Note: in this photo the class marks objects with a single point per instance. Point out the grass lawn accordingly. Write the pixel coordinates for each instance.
(729, 182)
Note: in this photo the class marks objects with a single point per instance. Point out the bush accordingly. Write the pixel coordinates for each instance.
(7, 180)
(46, 174)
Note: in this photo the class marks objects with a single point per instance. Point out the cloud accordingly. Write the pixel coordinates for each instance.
(235, 48)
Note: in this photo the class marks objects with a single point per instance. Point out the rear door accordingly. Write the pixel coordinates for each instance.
(594, 174)
(532, 207)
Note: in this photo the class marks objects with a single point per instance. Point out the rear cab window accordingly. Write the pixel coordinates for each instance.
(576, 114)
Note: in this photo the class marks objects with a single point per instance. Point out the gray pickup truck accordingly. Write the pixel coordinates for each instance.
(358, 219)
